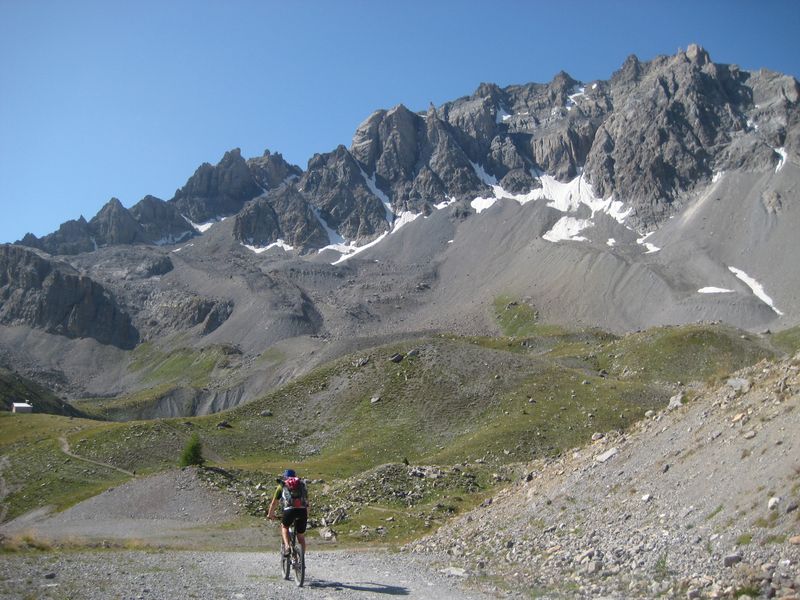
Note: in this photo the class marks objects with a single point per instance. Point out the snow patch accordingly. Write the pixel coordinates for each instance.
(182, 247)
(611, 242)
(278, 244)
(444, 204)
(351, 250)
(171, 239)
(578, 93)
(387, 204)
(481, 204)
(404, 218)
(757, 288)
(651, 248)
(782, 153)
(594, 86)
(333, 236)
(202, 227)
(502, 115)
(567, 229)
(483, 175)
(714, 290)
(717, 176)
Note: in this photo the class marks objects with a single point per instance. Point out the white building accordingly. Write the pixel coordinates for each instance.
(21, 407)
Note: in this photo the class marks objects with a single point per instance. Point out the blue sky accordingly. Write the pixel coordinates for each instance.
(102, 99)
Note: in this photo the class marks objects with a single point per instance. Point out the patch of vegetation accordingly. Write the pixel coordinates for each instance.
(788, 340)
(183, 366)
(661, 568)
(748, 590)
(681, 353)
(192, 454)
(744, 539)
(714, 512)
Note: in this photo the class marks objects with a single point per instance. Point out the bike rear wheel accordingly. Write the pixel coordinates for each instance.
(299, 565)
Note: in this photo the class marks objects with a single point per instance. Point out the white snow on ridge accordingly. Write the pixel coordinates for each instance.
(714, 290)
(758, 289)
(782, 153)
(567, 229)
(611, 242)
(717, 176)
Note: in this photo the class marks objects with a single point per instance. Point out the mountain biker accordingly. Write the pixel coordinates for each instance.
(293, 497)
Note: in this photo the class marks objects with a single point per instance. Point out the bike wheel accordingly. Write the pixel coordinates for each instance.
(299, 566)
(286, 563)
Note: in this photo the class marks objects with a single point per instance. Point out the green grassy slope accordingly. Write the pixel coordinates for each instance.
(450, 401)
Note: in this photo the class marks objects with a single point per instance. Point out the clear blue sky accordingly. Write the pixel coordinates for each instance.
(102, 99)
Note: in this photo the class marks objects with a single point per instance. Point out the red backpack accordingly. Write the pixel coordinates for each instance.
(294, 493)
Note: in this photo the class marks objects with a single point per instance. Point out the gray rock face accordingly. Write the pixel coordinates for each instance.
(160, 222)
(335, 185)
(282, 214)
(215, 191)
(271, 170)
(50, 296)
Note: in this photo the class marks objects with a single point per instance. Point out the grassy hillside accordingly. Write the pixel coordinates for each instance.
(485, 402)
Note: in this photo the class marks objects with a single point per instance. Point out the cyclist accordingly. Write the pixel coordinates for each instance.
(293, 496)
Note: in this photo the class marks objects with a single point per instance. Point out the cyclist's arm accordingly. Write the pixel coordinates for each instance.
(271, 510)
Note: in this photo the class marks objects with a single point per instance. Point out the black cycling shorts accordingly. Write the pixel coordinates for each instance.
(298, 516)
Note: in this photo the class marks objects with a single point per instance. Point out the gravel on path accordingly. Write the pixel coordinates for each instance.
(137, 575)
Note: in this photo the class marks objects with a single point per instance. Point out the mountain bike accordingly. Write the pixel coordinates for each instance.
(295, 561)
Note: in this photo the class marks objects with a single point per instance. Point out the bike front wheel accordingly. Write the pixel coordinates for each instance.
(299, 566)
(286, 563)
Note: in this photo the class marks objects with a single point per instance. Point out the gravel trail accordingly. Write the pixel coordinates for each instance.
(134, 575)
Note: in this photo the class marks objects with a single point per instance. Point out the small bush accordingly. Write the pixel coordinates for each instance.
(193, 452)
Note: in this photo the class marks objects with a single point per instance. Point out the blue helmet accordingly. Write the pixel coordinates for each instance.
(289, 473)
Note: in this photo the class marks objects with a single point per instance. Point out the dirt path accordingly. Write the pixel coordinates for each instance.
(64, 443)
(230, 575)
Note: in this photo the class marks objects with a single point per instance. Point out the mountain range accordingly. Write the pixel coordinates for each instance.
(666, 194)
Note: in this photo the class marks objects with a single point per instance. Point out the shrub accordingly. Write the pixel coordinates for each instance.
(192, 452)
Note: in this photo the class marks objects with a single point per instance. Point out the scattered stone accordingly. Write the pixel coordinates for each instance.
(749, 435)
(795, 540)
(676, 401)
(413, 353)
(50, 576)
(374, 399)
(792, 506)
(265, 413)
(223, 425)
(396, 357)
(607, 455)
(773, 503)
(739, 384)
(597, 436)
(647, 498)
(650, 414)
(454, 572)
(732, 559)
(327, 534)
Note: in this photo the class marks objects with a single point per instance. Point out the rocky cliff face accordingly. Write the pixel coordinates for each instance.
(51, 296)
(648, 136)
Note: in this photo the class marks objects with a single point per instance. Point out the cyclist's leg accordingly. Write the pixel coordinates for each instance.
(286, 522)
(301, 521)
